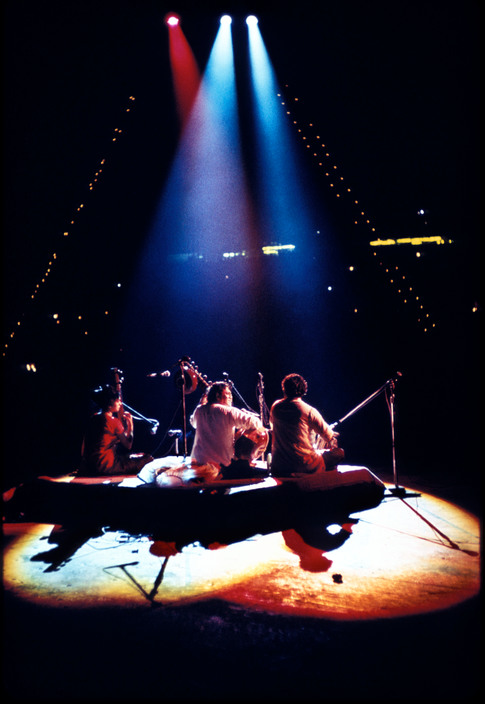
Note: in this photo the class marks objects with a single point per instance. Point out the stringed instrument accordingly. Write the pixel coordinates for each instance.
(122, 415)
(188, 378)
(261, 436)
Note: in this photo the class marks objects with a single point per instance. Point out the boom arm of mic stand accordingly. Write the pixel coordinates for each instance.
(397, 490)
(138, 416)
(362, 404)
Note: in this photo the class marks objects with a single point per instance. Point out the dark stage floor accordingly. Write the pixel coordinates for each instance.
(212, 651)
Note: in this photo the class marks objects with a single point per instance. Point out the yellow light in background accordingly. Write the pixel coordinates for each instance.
(276, 248)
(415, 241)
(361, 217)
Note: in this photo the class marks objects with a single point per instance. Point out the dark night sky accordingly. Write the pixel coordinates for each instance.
(393, 87)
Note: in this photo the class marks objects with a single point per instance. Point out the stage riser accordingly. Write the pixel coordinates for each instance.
(186, 516)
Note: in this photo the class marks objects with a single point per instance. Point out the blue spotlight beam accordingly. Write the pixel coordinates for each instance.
(204, 210)
(284, 202)
(215, 204)
(220, 83)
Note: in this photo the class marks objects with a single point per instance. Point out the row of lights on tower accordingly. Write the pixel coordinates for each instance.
(406, 292)
(66, 233)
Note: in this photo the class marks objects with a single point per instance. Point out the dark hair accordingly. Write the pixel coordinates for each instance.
(243, 447)
(215, 391)
(294, 386)
(104, 396)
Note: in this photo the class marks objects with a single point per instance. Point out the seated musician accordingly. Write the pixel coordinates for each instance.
(294, 423)
(216, 421)
(109, 439)
(243, 466)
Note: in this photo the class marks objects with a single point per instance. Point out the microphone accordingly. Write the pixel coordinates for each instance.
(154, 374)
(154, 428)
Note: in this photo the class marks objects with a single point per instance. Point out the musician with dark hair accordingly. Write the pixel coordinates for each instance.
(243, 465)
(109, 439)
(295, 423)
(215, 421)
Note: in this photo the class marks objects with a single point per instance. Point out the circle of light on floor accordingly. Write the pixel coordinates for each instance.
(404, 557)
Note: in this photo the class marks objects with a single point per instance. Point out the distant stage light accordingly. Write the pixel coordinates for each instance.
(172, 19)
(251, 21)
(226, 19)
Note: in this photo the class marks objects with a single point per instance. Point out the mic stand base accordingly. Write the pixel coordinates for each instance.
(401, 493)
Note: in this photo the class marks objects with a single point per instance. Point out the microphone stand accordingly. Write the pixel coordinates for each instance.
(225, 377)
(184, 426)
(390, 385)
(397, 490)
(118, 374)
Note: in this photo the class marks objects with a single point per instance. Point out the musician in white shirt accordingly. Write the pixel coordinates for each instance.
(216, 422)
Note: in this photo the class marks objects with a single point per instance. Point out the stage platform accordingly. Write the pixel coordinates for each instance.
(407, 556)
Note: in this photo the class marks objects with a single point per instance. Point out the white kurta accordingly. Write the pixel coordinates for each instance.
(214, 425)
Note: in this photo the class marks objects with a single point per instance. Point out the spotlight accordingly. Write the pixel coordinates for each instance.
(226, 19)
(172, 19)
(251, 21)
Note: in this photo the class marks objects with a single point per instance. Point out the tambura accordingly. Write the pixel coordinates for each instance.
(189, 378)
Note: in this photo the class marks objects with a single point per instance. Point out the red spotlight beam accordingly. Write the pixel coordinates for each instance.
(185, 72)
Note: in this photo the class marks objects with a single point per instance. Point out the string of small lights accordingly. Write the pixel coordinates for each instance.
(68, 232)
(313, 141)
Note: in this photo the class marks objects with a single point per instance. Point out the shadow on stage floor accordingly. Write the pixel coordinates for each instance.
(211, 650)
